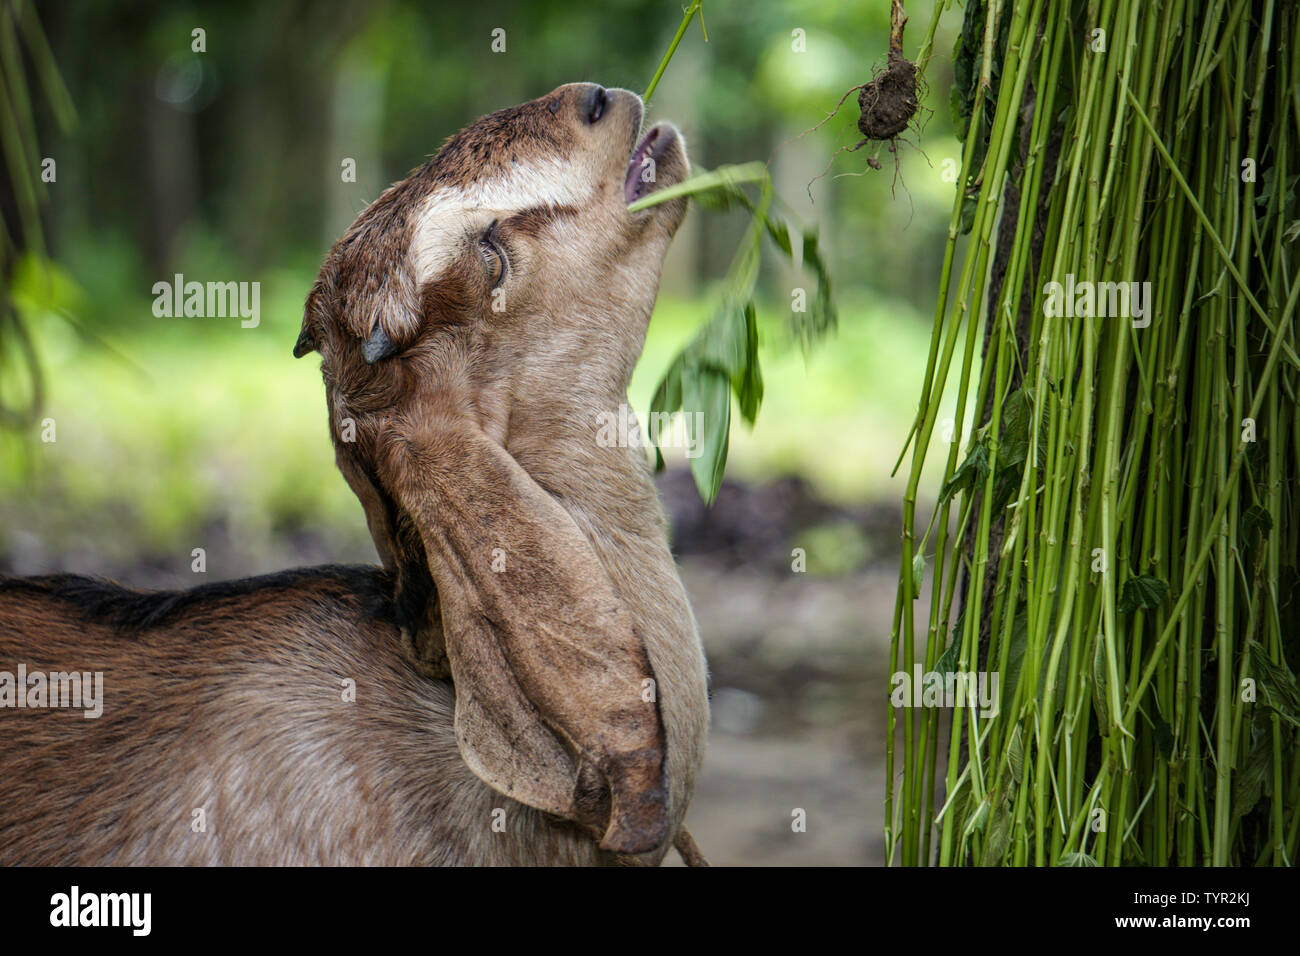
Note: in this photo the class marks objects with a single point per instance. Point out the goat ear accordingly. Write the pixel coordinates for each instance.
(551, 680)
(377, 346)
(378, 519)
(402, 551)
(304, 344)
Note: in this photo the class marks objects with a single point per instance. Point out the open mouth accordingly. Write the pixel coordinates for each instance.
(643, 167)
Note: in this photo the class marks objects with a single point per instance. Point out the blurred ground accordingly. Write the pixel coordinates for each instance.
(795, 722)
(796, 662)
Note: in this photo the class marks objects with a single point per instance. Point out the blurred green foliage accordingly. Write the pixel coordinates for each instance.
(225, 165)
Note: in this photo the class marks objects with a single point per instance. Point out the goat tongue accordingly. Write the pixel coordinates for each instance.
(640, 177)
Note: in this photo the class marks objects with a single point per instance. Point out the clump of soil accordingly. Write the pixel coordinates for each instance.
(888, 102)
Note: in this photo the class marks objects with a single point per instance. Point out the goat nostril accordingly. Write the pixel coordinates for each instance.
(594, 103)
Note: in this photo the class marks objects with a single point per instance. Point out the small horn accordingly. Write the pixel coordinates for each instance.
(378, 346)
(305, 344)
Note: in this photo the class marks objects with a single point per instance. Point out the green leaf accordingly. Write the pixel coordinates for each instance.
(1098, 682)
(723, 353)
(779, 232)
(708, 393)
(965, 66)
(822, 318)
(1017, 429)
(667, 399)
(1018, 641)
(947, 662)
(1076, 859)
(1267, 183)
(728, 343)
(978, 819)
(969, 204)
(1255, 519)
(1248, 782)
(999, 835)
(747, 380)
(1143, 592)
(716, 189)
(668, 396)
(1016, 755)
(959, 624)
(1277, 686)
(974, 469)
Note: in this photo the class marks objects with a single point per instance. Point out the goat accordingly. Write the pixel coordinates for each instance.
(473, 325)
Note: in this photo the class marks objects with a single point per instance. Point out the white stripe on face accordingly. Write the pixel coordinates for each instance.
(441, 224)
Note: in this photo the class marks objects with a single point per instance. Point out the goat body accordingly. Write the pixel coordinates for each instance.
(273, 720)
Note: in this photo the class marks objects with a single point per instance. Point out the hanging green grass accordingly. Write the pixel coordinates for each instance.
(1115, 539)
(721, 361)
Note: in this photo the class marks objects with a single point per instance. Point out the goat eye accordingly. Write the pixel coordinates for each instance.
(495, 263)
(492, 256)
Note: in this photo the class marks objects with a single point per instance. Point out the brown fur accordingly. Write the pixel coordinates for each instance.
(229, 699)
(472, 438)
